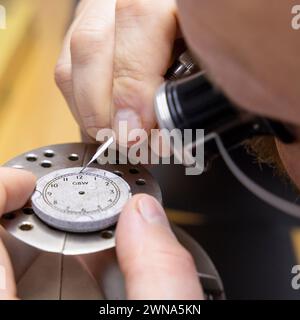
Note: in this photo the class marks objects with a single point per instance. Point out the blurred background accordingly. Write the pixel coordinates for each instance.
(253, 245)
(30, 105)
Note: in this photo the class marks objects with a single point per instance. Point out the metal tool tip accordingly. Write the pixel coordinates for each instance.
(81, 170)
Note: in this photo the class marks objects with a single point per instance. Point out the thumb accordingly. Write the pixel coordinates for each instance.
(154, 263)
(16, 187)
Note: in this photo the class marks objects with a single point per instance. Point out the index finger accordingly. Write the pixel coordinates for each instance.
(92, 52)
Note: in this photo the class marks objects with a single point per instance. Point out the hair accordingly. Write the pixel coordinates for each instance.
(265, 151)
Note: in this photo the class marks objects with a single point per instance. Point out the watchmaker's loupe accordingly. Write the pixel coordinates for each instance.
(194, 103)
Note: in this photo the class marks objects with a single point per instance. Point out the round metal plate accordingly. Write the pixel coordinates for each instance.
(25, 225)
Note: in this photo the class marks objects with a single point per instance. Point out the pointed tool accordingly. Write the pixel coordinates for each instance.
(99, 152)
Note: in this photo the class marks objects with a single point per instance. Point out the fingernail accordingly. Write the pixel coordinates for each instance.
(129, 115)
(152, 211)
(132, 120)
(92, 133)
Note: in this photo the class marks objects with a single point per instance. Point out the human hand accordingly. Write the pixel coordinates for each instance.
(15, 189)
(114, 57)
(155, 265)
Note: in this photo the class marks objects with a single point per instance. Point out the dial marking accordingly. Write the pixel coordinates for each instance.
(68, 199)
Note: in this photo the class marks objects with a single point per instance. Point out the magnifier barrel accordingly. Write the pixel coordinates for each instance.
(194, 103)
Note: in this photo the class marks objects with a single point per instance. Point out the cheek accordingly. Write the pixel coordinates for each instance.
(290, 157)
(261, 81)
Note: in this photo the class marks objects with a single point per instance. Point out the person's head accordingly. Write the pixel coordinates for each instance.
(251, 51)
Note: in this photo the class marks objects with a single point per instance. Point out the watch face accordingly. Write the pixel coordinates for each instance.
(80, 202)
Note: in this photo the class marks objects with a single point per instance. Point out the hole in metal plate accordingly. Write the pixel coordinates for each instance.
(49, 153)
(106, 234)
(31, 157)
(17, 166)
(140, 182)
(28, 211)
(26, 226)
(9, 216)
(46, 164)
(119, 173)
(134, 171)
(73, 157)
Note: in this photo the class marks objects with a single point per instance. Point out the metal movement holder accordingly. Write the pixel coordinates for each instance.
(27, 227)
(24, 224)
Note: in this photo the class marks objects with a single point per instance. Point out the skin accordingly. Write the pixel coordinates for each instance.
(241, 43)
(154, 263)
(104, 71)
(105, 67)
(16, 186)
(105, 62)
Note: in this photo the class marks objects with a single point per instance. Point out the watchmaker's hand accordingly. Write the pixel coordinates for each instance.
(15, 189)
(154, 263)
(113, 60)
